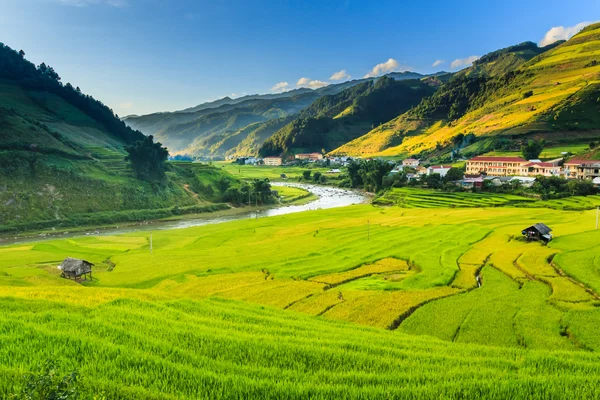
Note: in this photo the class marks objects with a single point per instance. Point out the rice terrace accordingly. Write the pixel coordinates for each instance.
(338, 226)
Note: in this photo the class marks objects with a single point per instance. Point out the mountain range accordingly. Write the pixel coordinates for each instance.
(240, 126)
(506, 97)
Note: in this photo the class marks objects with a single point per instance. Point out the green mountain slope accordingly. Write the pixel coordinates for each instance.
(336, 119)
(62, 158)
(202, 134)
(217, 128)
(553, 95)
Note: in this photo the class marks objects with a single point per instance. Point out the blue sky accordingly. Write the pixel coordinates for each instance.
(141, 56)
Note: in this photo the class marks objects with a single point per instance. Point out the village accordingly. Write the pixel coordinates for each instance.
(498, 170)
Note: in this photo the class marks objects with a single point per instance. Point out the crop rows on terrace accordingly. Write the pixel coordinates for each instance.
(138, 349)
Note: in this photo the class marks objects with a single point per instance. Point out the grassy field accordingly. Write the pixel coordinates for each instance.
(320, 304)
(293, 195)
(265, 171)
(423, 198)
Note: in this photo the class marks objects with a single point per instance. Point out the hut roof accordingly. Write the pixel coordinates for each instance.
(75, 266)
(541, 228)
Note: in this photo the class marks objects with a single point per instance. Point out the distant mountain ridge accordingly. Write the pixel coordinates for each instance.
(219, 127)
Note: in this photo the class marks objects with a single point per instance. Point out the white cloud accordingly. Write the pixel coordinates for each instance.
(280, 87)
(390, 65)
(310, 83)
(340, 75)
(126, 105)
(464, 62)
(562, 33)
(83, 3)
(437, 62)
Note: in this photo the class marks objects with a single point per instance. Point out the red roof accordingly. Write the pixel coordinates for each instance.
(501, 159)
(441, 166)
(540, 164)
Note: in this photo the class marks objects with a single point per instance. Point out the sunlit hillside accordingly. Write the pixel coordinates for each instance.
(554, 95)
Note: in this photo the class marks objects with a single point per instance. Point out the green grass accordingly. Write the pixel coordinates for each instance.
(293, 195)
(423, 198)
(265, 171)
(317, 304)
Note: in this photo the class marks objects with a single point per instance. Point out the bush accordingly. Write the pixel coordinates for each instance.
(49, 383)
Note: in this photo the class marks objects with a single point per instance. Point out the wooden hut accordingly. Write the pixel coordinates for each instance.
(538, 231)
(74, 268)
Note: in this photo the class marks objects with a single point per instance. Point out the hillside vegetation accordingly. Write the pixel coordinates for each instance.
(238, 127)
(62, 158)
(507, 96)
(186, 321)
(336, 119)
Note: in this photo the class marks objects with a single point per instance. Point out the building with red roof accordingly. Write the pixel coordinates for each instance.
(542, 168)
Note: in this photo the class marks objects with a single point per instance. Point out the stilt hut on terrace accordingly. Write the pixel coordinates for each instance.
(73, 268)
(538, 231)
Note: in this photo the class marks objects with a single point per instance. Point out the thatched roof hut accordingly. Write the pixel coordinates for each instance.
(74, 268)
(538, 231)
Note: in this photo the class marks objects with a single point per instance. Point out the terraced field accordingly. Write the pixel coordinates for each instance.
(562, 107)
(421, 198)
(328, 303)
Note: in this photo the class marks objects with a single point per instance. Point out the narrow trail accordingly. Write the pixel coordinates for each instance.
(186, 187)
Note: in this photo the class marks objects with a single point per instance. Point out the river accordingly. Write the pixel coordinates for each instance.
(328, 197)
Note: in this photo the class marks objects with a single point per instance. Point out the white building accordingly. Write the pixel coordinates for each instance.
(439, 169)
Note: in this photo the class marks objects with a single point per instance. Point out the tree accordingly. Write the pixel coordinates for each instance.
(306, 175)
(223, 184)
(454, 174)
(532, 149)
(147, 159)
(592, 145)
(458, 139)
(317, 176)
(433, 181)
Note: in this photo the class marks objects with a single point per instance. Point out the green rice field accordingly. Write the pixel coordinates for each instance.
(422, 198)
(356, 302)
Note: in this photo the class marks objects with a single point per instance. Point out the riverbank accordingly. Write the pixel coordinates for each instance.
(320, 197)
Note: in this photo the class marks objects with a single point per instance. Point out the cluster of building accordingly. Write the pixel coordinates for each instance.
(302, 157)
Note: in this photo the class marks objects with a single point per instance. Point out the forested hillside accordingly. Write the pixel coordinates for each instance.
(506, 97)
(239, 126)
(62, 158)
(336, 119)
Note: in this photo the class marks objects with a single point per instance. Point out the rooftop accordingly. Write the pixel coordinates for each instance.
(500, 159)
(541, 164)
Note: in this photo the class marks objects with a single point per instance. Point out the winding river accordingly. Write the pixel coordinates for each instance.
(328, 197)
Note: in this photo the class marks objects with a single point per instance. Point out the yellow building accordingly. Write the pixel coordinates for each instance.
(309, 156)
(273, 161)
(582, 169)
(497, 166)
